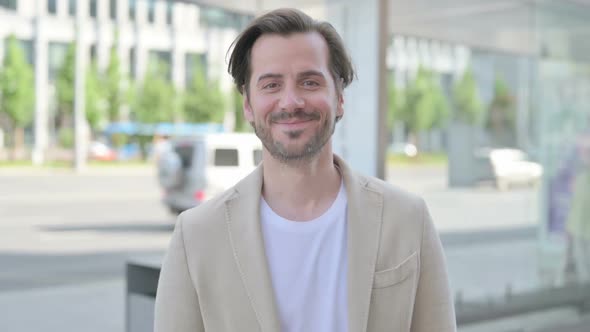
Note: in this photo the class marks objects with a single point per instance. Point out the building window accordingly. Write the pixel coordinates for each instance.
(169, 12)
(72, 7)
(132, 8)
(113, 10)
(56, 56)
(8, 4)
(92, 53)
(132, 71)
(26, 46)
(92, 8)
(52, 6)
(192, 60)
(151, 11)
(218, 18)
(162, 60)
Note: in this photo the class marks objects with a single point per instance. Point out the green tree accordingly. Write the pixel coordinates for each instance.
(154, 99)
(204, 100)
(115, 94)
(17, 92)
(241, 124)
(468, 107)
(395, 104)
(425, 106)
(501, 117)
(65, 82)
(95, 100)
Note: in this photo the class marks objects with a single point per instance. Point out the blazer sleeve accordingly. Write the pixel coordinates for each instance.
(433, 308)
(177, 303)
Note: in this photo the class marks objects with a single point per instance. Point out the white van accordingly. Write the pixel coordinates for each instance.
(197, 168)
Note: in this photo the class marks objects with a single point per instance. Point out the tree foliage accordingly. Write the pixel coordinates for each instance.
(95, 106)
(501, 117)
(241, 124)
(424, 105)
(155, 97)
(468, 106)
(204, 100)
(66, 78)
(17, 91)
(115, 94)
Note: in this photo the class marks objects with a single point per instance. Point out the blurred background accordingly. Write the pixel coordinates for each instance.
(479, 106)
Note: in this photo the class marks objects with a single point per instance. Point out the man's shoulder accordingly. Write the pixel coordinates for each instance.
(390, 192)
(209, 213)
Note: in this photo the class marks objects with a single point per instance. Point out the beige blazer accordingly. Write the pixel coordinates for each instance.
(215, 276)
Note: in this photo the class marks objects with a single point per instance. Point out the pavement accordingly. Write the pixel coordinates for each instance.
(65, 239)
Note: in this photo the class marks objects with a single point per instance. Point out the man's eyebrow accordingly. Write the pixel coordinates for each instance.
(269, 75)
(309, 73)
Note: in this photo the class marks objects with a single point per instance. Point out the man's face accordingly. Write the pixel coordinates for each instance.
(292, 101)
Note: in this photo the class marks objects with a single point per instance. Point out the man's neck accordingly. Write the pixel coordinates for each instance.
(302, 191)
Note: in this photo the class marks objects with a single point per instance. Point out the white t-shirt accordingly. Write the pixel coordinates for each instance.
(308, 266)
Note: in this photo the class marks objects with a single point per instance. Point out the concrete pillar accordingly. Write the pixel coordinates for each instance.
(80, 124)
(122, 11)
(160, 13)
(102, 10)
(360, 137)
(141, 54)
(41, 123)
(178, 60)
(141, 12)
(62, 8)
(523, 99)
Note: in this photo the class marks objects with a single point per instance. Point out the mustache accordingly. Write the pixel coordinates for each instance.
(299, 115)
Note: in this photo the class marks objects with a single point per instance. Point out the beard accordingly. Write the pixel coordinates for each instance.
(290, 155)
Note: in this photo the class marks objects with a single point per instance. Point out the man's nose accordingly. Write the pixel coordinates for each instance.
(291, 99)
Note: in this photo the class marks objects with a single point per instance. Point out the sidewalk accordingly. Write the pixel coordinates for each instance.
(96, 307)
(484, 269)
(92, 170)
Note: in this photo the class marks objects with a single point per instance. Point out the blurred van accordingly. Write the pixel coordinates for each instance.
(194, 169)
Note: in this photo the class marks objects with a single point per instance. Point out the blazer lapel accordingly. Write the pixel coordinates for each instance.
(243, 220)
(364, 227)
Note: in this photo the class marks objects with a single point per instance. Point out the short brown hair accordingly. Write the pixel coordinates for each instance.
(285, 22)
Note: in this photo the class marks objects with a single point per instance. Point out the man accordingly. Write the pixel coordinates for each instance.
(303, 243)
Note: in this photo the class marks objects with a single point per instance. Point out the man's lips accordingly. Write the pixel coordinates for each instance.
(292, 121)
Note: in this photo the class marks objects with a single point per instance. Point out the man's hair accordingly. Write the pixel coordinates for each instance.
(285, 22)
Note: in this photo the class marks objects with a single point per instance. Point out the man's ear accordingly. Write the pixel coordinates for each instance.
(340, 106)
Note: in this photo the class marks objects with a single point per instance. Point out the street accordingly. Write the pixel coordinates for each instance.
(66, 236)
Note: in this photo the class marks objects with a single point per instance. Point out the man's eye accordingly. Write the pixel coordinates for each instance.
(271, 86)
(310, 83)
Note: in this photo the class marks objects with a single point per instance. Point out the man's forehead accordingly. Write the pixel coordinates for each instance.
(297, 49)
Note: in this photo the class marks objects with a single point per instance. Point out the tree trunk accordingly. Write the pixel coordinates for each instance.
(19, 141)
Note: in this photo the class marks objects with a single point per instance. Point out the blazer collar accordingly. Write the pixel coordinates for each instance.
(364, 224)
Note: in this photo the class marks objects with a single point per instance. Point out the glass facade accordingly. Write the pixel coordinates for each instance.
(52, 6)
(113, 9)
(132, 9)
(219, 18)
(151, 11)
(561, 95)
(169, 12)
(72, 7)
(92, 8)
(9, 4)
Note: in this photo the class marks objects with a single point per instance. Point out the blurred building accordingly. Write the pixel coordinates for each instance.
(178, 33)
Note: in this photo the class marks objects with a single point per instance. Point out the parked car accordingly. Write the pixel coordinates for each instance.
(195, 169)
(403, 148)
(101, 151)
(508, 167)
